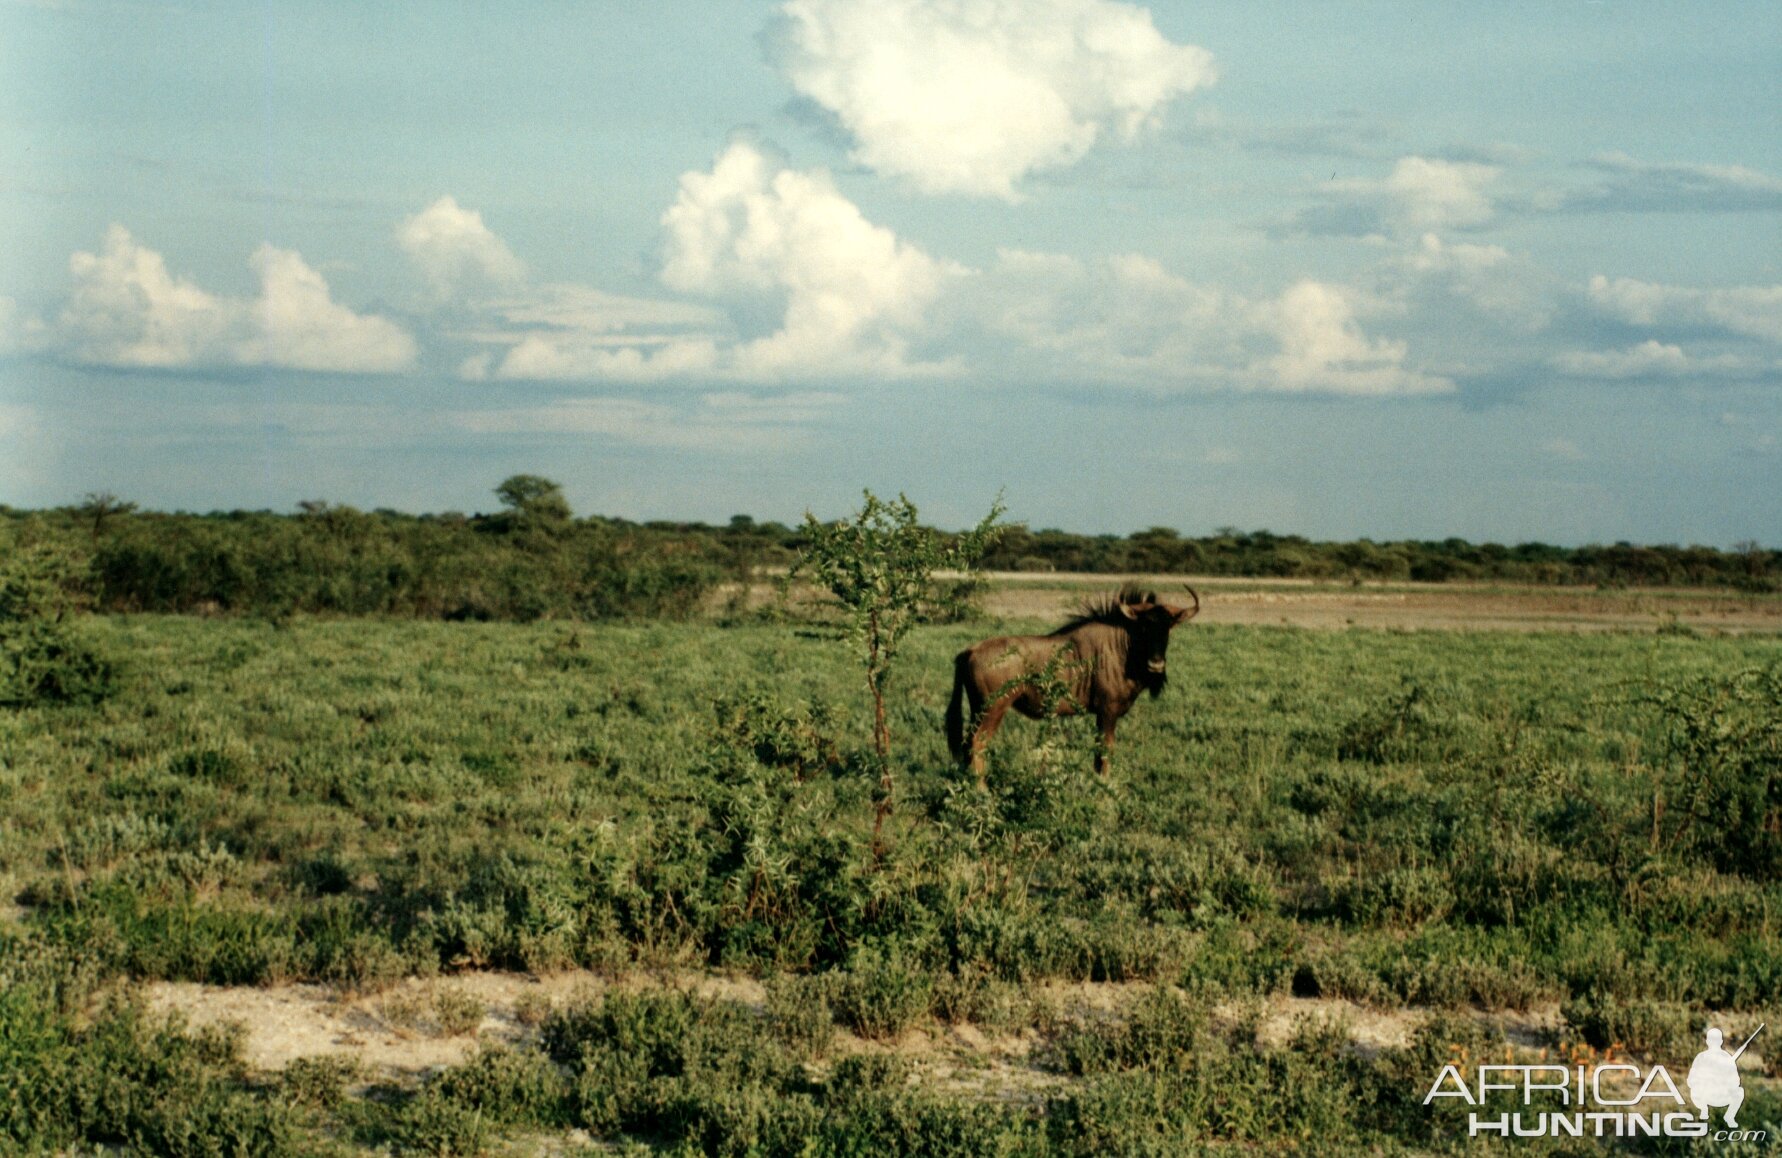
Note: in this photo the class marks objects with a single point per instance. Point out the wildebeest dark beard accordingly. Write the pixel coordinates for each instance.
(1154, 682)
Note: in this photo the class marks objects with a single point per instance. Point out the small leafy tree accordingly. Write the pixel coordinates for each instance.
(101, 507)
(880, 564)
(535, 501)
(42, 658)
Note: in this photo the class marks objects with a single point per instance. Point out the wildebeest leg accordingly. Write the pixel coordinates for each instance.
(982, 733)
(1105, 752)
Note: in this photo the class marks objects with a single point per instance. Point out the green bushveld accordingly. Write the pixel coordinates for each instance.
(533, 560)
(1460, 821)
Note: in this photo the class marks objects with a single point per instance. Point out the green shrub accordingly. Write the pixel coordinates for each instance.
(514, 1086)
(1403, 896)
(319, 1081)
(126, 1080)
(1647, 1028)
(459, 1013)
(1161, 1031)
(44, 658)
(798, 1014)
(978, 997)
(1722, 799)
(1402, 728)
(799, 740)
(432, 1123)
(883, 993)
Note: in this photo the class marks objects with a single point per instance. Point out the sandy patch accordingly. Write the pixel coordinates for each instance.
(402, 1030)
(399, 1033)
(1401, 606)
(1415, 606)
(397, 1036)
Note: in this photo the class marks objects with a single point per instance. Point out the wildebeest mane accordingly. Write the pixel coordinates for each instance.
(1105, 608)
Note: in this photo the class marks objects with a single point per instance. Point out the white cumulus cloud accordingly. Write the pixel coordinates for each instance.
(1420, 195)
(750, 230)
(1649, 359)
(969, 96)
(1652, 359)
(1123, 319)
(455, 250)
(126, 309)
(574, 332)
(576, 355)
(1428, 194)
(1748, 311)
(1128, 321)
(1323, 349)
(296, 323)
(791, 281)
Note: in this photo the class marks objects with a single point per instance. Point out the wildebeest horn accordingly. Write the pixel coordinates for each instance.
(1196, 610)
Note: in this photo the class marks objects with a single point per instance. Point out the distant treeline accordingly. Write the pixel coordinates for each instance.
(533, 559)
(1260, 554)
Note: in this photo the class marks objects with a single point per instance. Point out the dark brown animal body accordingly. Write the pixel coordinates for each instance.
(1099, 662)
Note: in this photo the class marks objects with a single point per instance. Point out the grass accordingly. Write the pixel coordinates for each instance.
(1464, 822)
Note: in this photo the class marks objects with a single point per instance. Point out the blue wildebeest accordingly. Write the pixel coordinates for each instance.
(1099, 662)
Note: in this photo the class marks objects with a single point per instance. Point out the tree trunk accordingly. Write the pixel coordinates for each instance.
(881, 736)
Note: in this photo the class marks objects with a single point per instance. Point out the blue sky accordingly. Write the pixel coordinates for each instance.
(1506, 271)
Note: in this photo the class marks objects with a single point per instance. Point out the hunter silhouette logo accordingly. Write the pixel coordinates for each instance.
(1714, 1076)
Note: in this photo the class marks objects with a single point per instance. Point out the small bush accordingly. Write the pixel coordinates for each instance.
(431, 1123)
(1399, 729)
(798, 1014)
(43, 657)
(1161, 1031)
(801, 740)
(882, 994)
(128, 1081)
(1722, 795)
(515, 1086)
(531, 1009)
(977, 997)
(48, 663)
(459, 1013)
(1648, 1028)
(319, 1081)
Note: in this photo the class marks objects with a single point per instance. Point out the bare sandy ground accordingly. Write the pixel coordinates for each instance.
(395, 1034)
(1337, 606)
(389, 1044)
(1411, 606)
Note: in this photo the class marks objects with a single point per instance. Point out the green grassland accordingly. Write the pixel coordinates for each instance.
(1459, 822)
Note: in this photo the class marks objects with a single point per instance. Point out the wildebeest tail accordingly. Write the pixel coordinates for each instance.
(956, 706)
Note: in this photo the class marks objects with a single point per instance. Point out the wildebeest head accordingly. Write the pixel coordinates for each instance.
(1148, 623)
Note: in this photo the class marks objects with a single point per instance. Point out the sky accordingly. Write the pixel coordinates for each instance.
(1506, 271)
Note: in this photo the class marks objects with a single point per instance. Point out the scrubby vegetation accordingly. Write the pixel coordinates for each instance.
(44, 657)
(1462, 822)
(532, 559)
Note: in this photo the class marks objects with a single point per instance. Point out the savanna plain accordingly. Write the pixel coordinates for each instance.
(324, 885)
